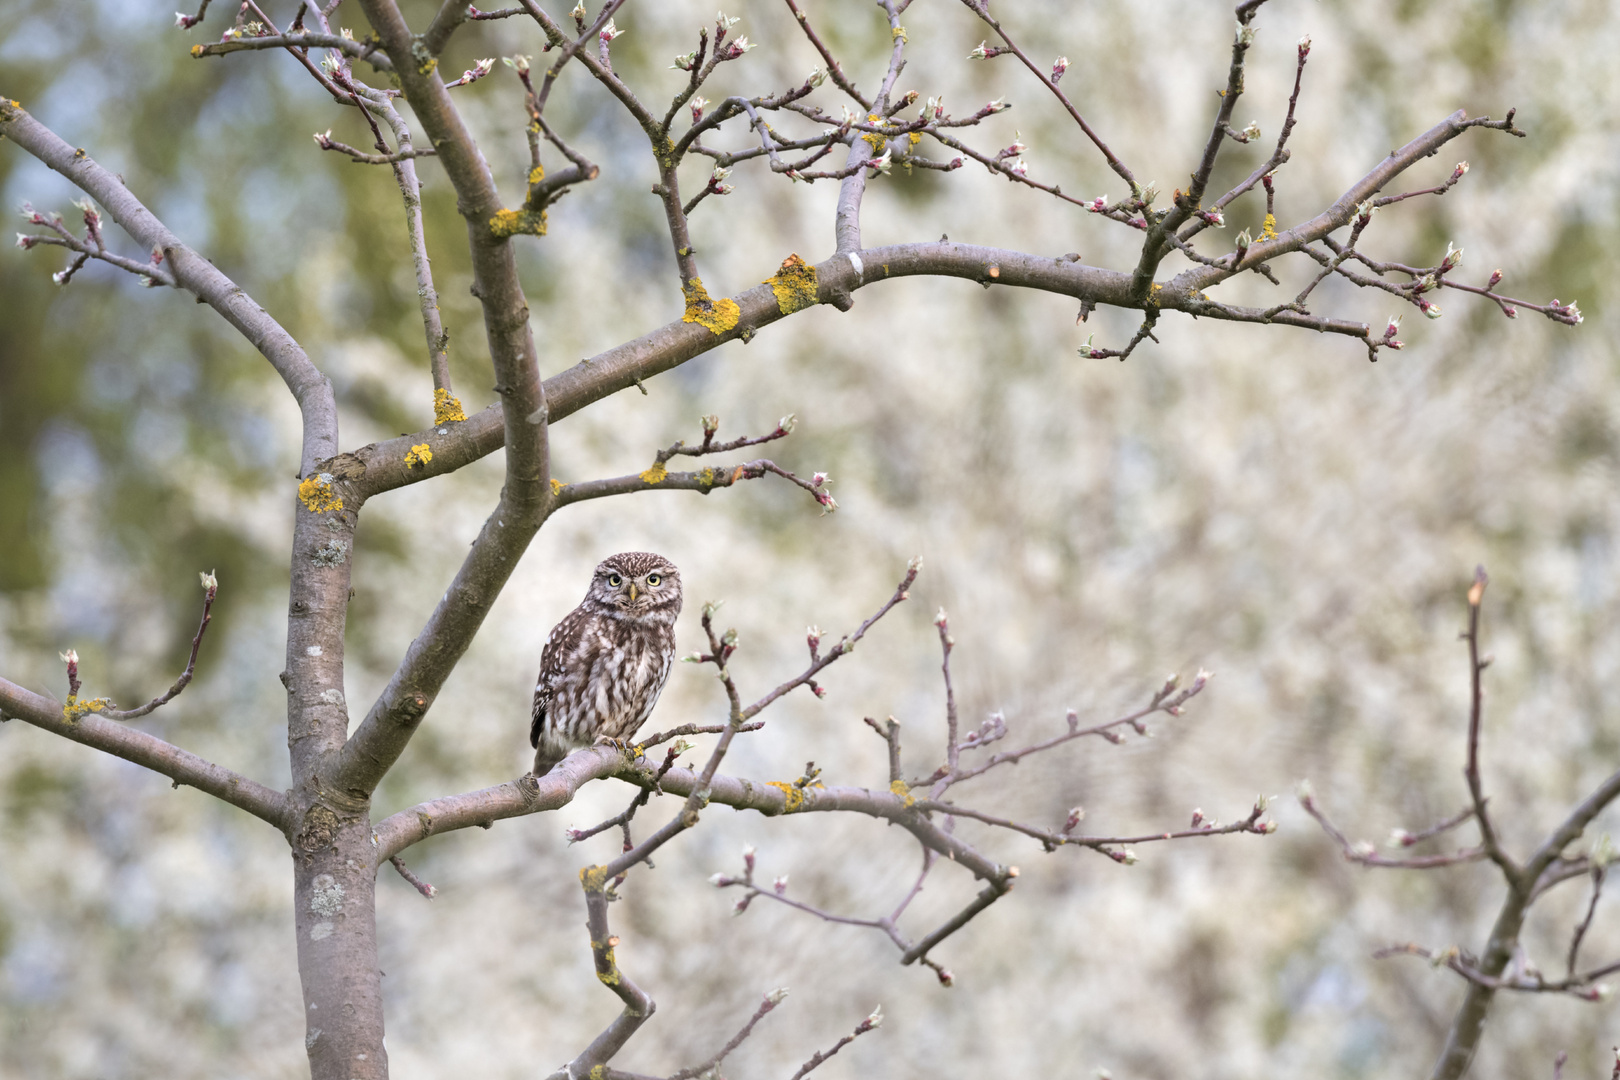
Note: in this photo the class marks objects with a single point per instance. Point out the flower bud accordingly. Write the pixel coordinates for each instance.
(1496, 279)
(979, 53)
(609, 32)
(1059, 66)
(209, 581)
(775, 996)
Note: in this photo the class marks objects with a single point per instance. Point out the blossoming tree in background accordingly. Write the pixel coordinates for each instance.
(838, 126)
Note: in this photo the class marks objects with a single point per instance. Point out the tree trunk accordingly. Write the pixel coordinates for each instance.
(335, 880)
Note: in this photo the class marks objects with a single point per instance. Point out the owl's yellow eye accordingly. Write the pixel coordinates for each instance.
(654, 579)
(615, 580)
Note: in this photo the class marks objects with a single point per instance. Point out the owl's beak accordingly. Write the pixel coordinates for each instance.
(632, 592)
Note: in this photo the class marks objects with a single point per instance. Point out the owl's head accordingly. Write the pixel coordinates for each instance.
(637, 585)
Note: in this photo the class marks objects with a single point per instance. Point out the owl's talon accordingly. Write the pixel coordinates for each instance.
(620, 745)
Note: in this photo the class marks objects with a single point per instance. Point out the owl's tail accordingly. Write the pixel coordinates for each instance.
(544, 760)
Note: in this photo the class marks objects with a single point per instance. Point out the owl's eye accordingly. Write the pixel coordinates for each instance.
(654, 579)
(615, 580)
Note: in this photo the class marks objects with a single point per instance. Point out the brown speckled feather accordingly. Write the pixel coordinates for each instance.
(605, 663)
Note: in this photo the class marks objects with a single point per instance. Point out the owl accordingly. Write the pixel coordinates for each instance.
(604, 665)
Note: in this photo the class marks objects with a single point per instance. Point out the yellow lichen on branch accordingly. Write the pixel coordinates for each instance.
(537, 174)
(793, 799)
(1268, 229)
(716, 316)
(902, 789)
(446, 409)
(74, 709)
(794, 285)
(317, 494)
(556, 487)
(657, 474)
(593, 878)
(509, 223)
(420, 454)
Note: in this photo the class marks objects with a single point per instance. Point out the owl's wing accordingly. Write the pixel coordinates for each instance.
(560, 646)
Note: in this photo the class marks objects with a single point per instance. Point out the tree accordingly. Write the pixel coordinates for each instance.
(327, 816)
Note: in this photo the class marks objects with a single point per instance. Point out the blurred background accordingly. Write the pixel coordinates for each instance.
(1259, 501)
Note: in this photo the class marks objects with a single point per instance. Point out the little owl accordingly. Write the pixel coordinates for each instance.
(604, 665)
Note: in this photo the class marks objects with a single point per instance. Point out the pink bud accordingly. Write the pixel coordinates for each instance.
(1496, 279)
(1059, 66)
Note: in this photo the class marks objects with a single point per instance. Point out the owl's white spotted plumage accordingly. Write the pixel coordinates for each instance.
(605, 664)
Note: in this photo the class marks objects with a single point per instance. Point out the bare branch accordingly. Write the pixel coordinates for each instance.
(416, 883)
(358, 50)
(192, 272)
(148, 751)
(210, 590)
